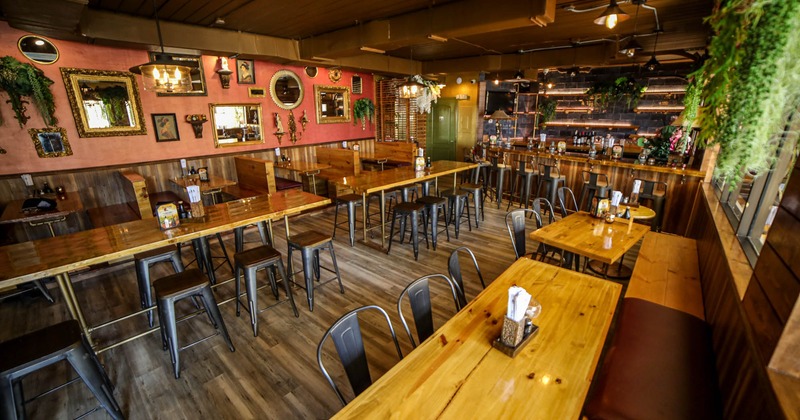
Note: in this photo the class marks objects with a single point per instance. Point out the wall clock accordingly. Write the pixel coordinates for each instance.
(335, 75)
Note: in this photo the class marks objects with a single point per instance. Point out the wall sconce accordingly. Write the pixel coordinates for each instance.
(278, 127)
(224, 73)
(197, 121)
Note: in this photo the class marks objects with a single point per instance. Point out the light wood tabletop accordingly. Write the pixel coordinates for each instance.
(457, 374)
(214, 183)
(300, 166)
(642, 213)
(582, 234)
(70, 204)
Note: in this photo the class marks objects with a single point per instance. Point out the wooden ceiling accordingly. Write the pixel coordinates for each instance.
(481, 35)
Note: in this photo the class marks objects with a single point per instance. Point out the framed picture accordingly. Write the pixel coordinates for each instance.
(50, 142)
(245, 72)
(165, 127)
(197, 74)
(257, 92)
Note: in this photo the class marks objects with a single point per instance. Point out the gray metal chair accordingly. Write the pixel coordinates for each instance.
(454, 269)
(346, 336)
(566, 200)
(656, 192)
(143, 261)
(419, 297)
(516, 221)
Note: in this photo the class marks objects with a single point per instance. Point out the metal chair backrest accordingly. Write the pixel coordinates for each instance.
(454, 269)
(346, 336)
(650, 189)
(592, 178)
(549, 171)
(419, 296)
(515, 223)
(566, 196)
(540, 204)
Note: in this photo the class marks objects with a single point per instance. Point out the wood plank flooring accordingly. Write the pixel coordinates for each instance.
(274, 375)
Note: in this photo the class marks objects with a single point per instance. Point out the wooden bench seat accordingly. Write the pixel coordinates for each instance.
(660, 364)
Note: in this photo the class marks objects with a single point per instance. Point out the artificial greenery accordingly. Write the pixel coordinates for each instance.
(22, 79)
(363, 110)
(547, 109)
(751, 82)
(610, 93)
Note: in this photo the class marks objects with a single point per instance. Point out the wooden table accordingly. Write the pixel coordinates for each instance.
(582, 234)
(621, 271)
(57, 256)
(212, 187)
(309, 169)
(380, 181)
(70, 204)
(456, 374)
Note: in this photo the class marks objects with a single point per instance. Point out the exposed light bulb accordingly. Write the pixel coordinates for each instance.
(630, 52)
(178, 74)
(611, 21)
(156, 73)
(496, 81)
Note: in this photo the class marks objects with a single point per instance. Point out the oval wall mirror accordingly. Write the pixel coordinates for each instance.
(311, 71)
(286, 89)
(37, 49)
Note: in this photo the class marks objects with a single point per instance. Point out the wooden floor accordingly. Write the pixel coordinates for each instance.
(274, 375)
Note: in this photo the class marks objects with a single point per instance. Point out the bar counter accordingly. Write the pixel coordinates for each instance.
(682, 184)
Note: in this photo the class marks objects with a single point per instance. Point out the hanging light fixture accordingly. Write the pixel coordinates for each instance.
(612, 15)
(632, 45)
(164, 74)
(653, 63)
(410, 89)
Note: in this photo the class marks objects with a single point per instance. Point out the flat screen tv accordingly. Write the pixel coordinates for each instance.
(499, 100)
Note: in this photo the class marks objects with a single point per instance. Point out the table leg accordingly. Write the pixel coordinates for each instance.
(269, 231)
(65, 285)
(286, 226)
(383, 220)
(364, 213)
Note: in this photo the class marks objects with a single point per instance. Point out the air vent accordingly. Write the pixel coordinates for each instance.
(357, 85)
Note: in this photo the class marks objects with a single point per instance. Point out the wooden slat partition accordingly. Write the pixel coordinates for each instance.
(136, 193)
(255, 174)
(398, 150)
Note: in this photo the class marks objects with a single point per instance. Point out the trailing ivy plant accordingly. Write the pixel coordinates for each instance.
(547, 109)
(607, 93)
(20, 80)
(751, 82)
(363, 111)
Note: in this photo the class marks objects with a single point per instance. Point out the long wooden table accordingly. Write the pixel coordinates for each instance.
(380, 181)
(457, 374)
(582, 234)
(57, 256)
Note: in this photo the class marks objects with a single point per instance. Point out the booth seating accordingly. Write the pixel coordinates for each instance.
(136, 206)
(661, 364)
(399, 153)
(343, 163)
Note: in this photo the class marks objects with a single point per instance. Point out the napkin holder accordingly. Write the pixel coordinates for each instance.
(515, 336)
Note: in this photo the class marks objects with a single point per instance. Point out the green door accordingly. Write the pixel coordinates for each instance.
(442, 130)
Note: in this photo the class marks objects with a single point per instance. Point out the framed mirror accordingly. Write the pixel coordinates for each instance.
(333, 104)
(311, 71)
(237, 124)
(104, 103)
(38, 49)
(50, 142)
(286, 89)
(197, 75)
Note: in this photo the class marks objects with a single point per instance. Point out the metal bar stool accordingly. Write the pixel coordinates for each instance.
(42, 348)
(427, 185)
(524, 176)
(403, 211)
(351, 201)
(593, 183)
(143, 261)
(264, 230)
(251, 261)
(550, 177)
(309, 244)
(458, 200)
(173, 288)
(474, 190)
(202, 249)
(499, 171)
(431, 212)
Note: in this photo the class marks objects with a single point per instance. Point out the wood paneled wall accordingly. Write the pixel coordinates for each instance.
(745, 387)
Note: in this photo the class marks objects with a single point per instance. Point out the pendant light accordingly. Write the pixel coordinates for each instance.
(164, 74)
(653, 63)
(411, 88)
(612, 15)
(632, 45)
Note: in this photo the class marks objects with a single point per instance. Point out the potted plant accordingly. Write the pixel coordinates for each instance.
(22, 79)
(605, 93)
(363, 110)
(547, 110)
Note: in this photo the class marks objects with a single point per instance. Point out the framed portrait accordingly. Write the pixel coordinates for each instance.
(197, 75)
(50, 142)
(257, 92)
(166, 127)
(245, 72)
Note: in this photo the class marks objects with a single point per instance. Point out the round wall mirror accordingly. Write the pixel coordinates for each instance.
(311, 71)
(38, 49)
(286, 89)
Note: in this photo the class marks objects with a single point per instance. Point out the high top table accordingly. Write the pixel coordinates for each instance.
(457, 374)
(379, 181)
(57, 256)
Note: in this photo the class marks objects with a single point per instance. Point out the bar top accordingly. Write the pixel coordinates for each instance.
(456, 374)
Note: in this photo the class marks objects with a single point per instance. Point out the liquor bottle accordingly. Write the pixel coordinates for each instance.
(192, 171)
(181, 210)
(46, 189)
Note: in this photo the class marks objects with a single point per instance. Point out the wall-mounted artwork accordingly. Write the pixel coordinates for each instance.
(165, 127)
(50, 142)
(245, 72)
(257, 92)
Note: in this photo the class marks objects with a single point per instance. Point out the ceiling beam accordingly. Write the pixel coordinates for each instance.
(54, 18)
(450, 20)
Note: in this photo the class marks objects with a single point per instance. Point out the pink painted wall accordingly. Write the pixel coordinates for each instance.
(120, 150)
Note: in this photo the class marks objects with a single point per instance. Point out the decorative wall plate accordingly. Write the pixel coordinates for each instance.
(335, 75)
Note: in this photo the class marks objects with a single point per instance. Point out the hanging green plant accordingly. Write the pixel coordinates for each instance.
(547, 109)
(610, 93)
(751, 81)
(22, 79)
(363, 110)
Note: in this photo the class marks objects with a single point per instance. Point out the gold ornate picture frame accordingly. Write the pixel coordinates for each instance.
(104, 103)
(50, 142)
